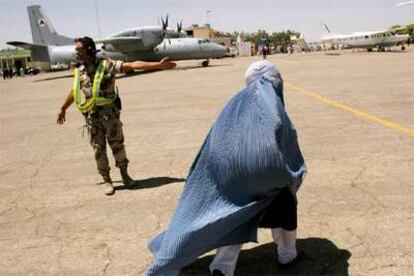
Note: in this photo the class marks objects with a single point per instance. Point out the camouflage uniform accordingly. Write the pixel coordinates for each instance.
(104, 122)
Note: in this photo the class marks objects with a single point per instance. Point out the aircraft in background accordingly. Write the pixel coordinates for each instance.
(366, 40)
(149, 43)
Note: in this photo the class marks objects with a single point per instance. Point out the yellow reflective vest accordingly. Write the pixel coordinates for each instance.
(96, 99)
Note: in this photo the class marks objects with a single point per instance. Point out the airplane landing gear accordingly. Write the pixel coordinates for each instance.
(205, 63)
(402, 47)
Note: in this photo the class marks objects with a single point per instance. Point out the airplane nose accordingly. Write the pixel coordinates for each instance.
(221, 50)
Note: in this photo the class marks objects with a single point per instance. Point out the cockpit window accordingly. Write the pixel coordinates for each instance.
(128, 33)
(203, 41)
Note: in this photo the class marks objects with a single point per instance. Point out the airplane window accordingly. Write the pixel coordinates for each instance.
(199, 42)
(383, 35)
(366, 37)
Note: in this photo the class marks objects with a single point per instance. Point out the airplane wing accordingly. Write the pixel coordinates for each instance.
(38, 52)
(124, 44)
(26, 45)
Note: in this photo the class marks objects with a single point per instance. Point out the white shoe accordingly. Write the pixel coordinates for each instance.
(108, 188)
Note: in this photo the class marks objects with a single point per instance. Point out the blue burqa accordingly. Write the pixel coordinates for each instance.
(249, 155)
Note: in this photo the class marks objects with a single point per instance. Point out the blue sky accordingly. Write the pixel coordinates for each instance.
(75, 18)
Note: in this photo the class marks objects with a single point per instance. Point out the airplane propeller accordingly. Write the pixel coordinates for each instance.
(179, 26)
(168, 34)
(164, 23)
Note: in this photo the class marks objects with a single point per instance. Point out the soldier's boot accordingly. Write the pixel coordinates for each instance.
(126, 179)
(108, 187)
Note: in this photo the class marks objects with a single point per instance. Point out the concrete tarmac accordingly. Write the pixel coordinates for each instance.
(355, 119)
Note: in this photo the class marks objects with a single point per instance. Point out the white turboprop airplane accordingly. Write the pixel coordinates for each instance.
(366, 40)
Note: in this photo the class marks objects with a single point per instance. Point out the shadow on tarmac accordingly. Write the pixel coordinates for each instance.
(135, 73)
(321, 257)
(190, 67)
(55, 78)
(200, 67)
(149, 183)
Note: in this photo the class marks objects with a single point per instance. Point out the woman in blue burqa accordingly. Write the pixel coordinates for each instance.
(245, 176)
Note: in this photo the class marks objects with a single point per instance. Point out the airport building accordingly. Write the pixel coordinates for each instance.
(239, 48)
(207, 32)
(15, 59)
(200, 31)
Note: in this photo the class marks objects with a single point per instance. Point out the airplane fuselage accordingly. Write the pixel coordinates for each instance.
(366, 39)
(175, 48)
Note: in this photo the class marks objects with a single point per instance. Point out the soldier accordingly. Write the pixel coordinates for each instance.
(4, 73)
(95, 79)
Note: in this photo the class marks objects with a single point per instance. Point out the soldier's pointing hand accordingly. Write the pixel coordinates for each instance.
(167, 64)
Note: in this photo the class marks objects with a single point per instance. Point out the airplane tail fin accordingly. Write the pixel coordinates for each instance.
(325, 27)
(43, 32)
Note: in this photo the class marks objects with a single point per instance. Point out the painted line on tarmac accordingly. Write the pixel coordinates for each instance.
(354, 111)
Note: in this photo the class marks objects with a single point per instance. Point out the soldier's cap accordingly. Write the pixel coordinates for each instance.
(88, 43)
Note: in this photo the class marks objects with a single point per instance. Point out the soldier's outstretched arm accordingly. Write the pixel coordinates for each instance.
(62, 114)
(165, 63)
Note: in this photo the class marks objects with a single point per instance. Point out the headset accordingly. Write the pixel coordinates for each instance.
(88, 44)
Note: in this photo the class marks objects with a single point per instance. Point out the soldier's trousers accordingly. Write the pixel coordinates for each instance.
(104, 125)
